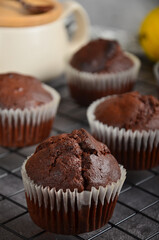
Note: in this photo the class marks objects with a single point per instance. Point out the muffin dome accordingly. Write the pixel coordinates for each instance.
(70, 161)
(101, 68)
(130, 111)
(27, 110)
(101, 56)
(21, 91)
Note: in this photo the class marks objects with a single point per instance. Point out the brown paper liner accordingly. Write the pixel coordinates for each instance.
(67, 212)
(135, 150)
(86, 87)
(74, 222)
(24, 127)
(24, 134)
(132, 159)
(85, 96)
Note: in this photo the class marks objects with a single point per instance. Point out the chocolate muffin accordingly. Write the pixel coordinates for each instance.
(101, 56)
(20, 91)
(77, 173)
(101, 68)
(27, 110)
(129, 123)
(130, 111)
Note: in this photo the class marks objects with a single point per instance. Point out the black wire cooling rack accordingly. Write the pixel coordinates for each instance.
(136, 215)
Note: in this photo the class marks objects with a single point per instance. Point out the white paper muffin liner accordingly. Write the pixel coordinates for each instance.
(121, 139)
(156, 71)
(38, 193)
(16, 119)
(33, 115)
(100, 82)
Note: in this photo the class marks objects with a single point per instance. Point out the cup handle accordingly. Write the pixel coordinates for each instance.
(81, 35)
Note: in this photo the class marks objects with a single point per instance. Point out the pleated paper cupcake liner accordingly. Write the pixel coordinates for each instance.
(135, 150)
(20, 128)
(156, 71)
(86, 87)
(66, 212)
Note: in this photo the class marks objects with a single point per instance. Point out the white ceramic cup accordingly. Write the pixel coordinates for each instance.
(41, 50)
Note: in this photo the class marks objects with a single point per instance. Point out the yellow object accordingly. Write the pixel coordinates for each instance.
(149, 34)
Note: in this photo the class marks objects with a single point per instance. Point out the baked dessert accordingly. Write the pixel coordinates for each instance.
(129, 124)
(101, 68)
(72, 183)
(27, 110)
(130, 111)
(101, 56)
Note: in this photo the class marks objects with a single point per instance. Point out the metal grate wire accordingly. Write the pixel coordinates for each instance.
(136, 215)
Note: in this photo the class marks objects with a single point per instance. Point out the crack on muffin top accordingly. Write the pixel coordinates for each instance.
(130, 111)
(70, 161)
(101, 56)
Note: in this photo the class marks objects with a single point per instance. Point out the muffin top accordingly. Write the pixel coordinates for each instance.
(21, 91)
(101, 56)
(130, 111)
(70, 161)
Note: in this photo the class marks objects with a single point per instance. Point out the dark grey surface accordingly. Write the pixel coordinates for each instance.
(140, 226)
(5, 234)
(9, 210)
(136, 215)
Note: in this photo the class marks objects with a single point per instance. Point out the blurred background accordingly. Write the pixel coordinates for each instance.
(123, 14)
